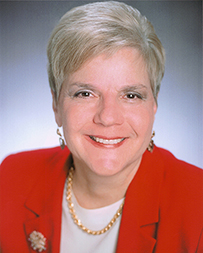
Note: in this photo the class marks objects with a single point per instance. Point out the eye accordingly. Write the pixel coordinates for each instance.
(132, 96)
(83, 94)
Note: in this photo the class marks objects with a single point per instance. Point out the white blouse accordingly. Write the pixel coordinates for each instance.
(74, 240)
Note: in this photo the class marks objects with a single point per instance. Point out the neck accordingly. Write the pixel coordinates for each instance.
(96, 191)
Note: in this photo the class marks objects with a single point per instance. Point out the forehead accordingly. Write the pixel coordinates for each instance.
(126, 66)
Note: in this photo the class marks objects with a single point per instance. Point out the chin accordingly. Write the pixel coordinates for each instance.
(105, 172)
(107, 167)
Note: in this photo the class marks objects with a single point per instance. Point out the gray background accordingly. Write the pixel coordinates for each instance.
(26, 117)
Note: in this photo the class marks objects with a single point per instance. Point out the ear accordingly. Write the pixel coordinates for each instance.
(56, 109)
(155, 107)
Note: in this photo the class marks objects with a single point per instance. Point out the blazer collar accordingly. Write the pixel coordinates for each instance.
(141, 209)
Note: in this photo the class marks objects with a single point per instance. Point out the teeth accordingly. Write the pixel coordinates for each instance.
(104, 141)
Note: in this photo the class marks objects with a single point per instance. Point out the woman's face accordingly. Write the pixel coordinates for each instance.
(107, 112)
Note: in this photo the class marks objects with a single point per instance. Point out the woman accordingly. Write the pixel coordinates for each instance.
(110, 189)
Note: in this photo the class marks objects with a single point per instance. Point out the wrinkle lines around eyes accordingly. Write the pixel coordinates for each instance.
(72, 88)
(140, 89)
(130, 92)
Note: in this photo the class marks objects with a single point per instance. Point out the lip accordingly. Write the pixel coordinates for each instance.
(106, 142)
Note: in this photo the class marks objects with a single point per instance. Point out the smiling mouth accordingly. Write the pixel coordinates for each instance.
(107, 141)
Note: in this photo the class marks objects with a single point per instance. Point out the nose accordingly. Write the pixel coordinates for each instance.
(109, 112)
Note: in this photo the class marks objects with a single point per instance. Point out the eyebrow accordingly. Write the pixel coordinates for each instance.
(82, 85)
(134, 87)
(125, 88)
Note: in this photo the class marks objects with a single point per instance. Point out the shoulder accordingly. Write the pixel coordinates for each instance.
(34, 155)
(172, 170)
(175, 167)
(25, 167)
(33, 158)
(181, 198)
(181, 179)
(182, 184)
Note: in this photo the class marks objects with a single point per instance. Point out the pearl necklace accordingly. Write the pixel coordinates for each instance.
(74, 216)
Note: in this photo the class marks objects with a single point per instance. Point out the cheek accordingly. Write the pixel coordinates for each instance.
(69, 119)
(141, 119)
(74, 118)
(70, 125)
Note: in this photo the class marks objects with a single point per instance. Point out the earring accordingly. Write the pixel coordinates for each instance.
(151, 144)
(61, 140)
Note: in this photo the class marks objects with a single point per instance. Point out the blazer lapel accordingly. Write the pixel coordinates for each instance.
(141, 209)
(44, 205)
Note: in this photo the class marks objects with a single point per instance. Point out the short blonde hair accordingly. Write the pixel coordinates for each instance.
(102, 27)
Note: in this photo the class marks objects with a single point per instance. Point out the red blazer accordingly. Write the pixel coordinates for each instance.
(163, 210)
